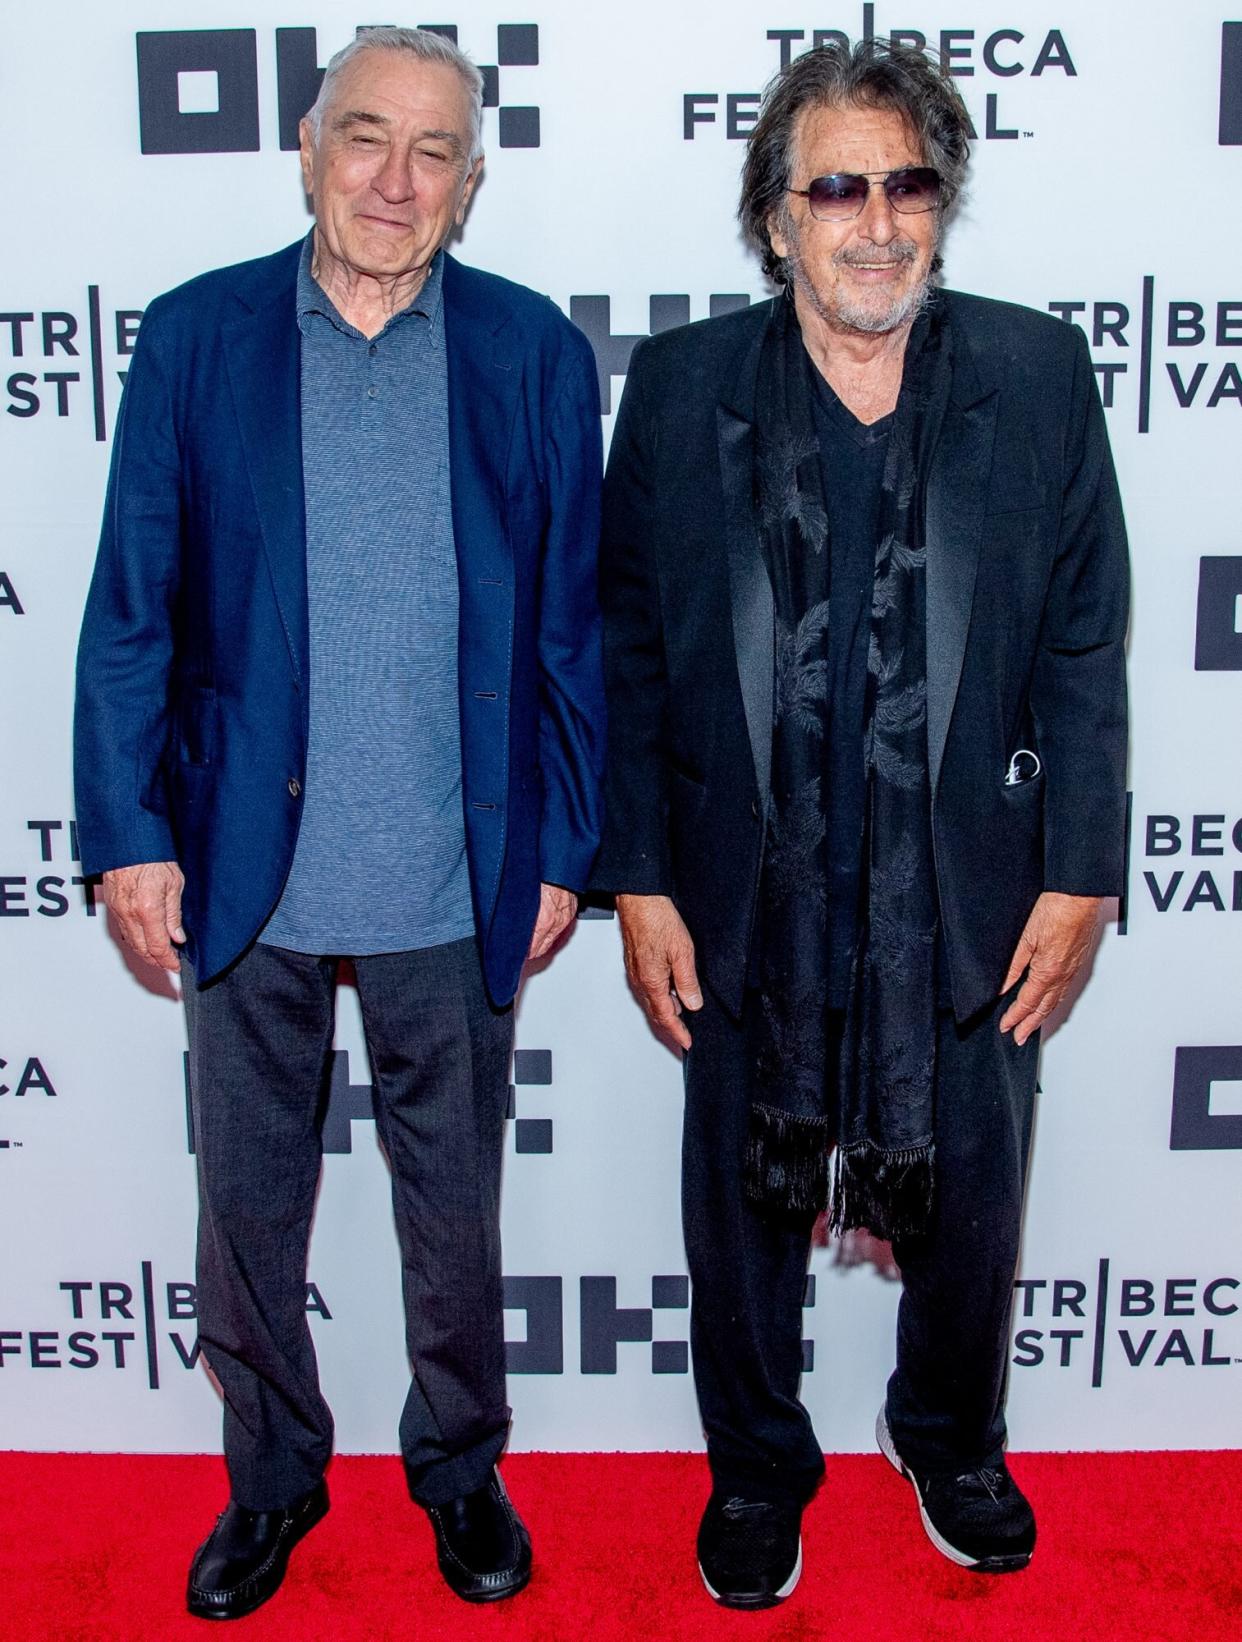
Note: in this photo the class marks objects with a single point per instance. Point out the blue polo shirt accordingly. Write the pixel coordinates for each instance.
(380, 863)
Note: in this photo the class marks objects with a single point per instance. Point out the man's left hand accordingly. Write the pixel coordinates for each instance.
(1051, 949)
(557, 910)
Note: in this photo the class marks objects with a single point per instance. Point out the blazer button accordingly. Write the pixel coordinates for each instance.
(295, 787)
(754, 808)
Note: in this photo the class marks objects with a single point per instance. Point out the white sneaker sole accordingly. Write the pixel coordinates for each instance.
(884, 1437)
(758, 1602)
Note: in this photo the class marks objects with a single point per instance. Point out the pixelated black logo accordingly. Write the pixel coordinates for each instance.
(542, 1347)
(1204, 1121)
(593, 315)
(198, 89)
(1218, 627)
(349, 1103)
(605, 1325)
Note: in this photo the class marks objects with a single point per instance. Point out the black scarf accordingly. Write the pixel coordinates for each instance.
(866, 1088)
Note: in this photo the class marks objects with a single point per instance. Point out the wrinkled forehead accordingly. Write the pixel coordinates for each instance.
(397, 87)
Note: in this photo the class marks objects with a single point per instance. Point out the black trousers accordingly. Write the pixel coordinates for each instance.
(748, 1268)
(260, 1039)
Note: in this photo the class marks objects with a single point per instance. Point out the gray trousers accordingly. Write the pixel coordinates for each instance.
(260, 1040)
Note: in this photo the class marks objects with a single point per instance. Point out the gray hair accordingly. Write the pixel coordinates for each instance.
(869, 74)
(420, 43)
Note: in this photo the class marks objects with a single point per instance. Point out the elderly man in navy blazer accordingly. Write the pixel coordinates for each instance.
(340, 696)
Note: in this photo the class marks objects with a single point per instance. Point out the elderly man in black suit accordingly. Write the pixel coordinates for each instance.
(865, 593)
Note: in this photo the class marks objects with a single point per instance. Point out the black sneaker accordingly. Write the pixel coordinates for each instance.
(979, 1519)
(750, 1551)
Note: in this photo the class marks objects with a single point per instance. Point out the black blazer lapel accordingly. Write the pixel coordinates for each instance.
(263, 358)
(957, 491)
(750, 587)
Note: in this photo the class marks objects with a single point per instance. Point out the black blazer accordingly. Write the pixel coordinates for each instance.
(1027, 595)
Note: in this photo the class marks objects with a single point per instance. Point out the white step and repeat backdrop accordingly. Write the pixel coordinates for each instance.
(145, 142)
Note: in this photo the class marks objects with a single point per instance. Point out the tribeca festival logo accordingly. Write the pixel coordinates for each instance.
(1196, 863)
(137, 1325)
(349, 1103)
(10, 601)
(1128, 333)
(999, 54)
(21, 1076)
(147, 1326)
(198, 89)
(1230, 131)
(1151, 1323)
(67, 365)
(58, 892)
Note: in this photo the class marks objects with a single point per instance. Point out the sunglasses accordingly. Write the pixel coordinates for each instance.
(843, 195)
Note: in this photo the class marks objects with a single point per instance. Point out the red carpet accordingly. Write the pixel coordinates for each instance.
(1145, 1547)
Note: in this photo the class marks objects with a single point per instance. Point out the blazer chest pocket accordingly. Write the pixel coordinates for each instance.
(196, 725)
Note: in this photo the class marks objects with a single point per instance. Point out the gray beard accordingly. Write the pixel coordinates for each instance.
(873, 322)
(869, 321)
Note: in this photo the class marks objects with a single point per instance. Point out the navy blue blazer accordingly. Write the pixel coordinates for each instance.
(191, 724)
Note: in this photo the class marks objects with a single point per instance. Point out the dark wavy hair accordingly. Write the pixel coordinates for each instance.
(868, 74)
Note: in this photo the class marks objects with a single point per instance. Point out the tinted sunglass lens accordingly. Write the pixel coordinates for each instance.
(841, 195)
(917, 189)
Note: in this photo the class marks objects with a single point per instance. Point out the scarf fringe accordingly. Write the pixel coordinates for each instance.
(886, 1193)
(786, 1163)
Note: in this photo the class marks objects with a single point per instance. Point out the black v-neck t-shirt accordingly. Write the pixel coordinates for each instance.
(852, 457)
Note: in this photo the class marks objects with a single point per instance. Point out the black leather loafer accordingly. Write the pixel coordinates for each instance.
(243, 1560)
(481, 1544)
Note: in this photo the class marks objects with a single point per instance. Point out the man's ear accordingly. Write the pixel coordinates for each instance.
(306, 155)
(472, 176)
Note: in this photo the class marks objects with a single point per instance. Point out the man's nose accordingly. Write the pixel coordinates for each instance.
(878, 222)
(394, 180)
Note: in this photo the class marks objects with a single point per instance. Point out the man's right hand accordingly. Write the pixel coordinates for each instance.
(659, 959)
(146, 902)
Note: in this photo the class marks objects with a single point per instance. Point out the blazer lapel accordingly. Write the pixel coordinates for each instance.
(484, 374)
(750, 587)
(957, 490)
(263, 359)
(484, 380)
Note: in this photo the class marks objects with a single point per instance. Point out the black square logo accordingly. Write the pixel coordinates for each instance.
(1218, 628)
(1195, 1127)
(519, 128)
(517, 45)
(227, 56)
